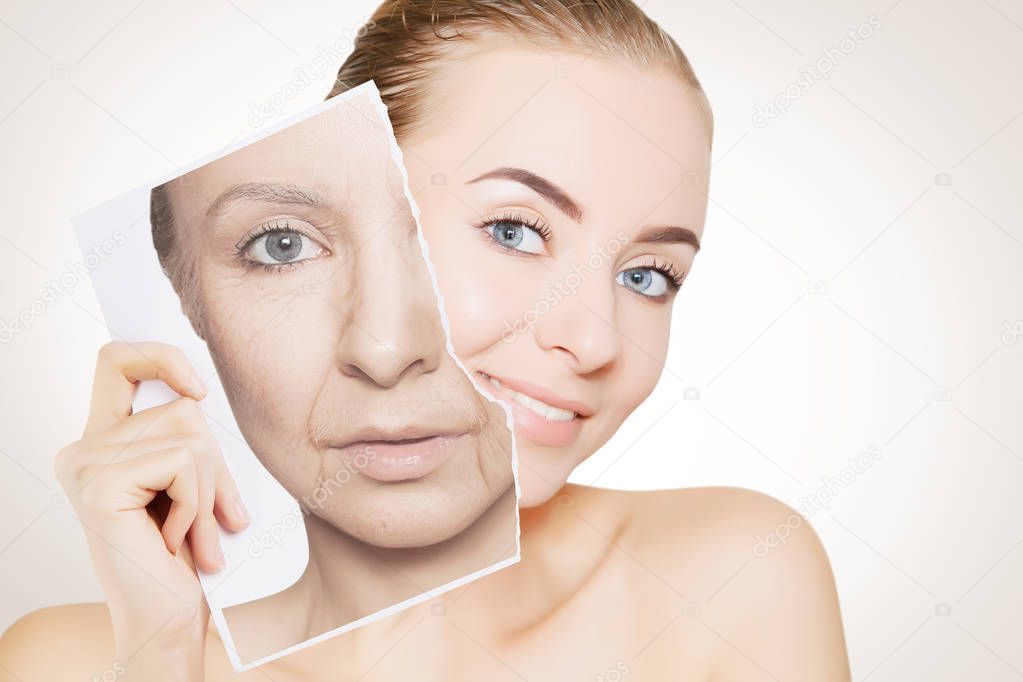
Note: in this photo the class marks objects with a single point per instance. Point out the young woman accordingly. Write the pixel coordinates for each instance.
(560, 153)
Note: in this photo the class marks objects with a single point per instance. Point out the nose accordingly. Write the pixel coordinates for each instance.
(582, 327)
(392, 328)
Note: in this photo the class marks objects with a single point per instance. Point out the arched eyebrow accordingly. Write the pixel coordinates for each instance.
(558, 197)
(668, 234)
(271, 193)
(542, 186)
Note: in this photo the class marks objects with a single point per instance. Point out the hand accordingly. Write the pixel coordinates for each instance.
(140, 484)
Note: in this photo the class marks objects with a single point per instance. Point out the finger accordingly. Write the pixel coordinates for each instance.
(151, 440)
(227, 504)
(172, 470)
(180, 422)
(120, 366)
(178, 418)
(204, 535)
(228, 507)
(184, 416)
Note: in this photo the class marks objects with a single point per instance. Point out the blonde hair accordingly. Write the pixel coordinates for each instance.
(404, 41)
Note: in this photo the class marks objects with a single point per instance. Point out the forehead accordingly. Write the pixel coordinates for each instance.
(342, 152)
(623, 140)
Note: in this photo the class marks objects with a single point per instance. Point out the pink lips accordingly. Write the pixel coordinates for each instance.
(534, 427)
(394, 459)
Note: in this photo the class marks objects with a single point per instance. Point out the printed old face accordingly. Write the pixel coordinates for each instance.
(320, 314)
(562, 198)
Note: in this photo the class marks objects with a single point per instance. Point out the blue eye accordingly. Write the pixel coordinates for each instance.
(278, 244)
(517, 235)
(653, 281)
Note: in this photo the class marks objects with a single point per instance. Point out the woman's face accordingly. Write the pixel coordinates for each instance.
(562, 200)
(321, 318)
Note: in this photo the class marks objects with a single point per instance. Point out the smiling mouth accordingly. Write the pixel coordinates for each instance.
(539, 407)
(541, 416)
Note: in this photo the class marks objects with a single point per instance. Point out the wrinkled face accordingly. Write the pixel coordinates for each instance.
(562, 201)
(321, 317)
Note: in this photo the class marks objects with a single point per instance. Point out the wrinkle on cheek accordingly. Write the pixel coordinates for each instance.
(240, 304)
(243, 320)
(467, 404)
(495, 458)
(272, 385)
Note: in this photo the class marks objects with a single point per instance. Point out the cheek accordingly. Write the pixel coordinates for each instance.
(268, 343)
(475, 321)
(479, 295)
(643, 353)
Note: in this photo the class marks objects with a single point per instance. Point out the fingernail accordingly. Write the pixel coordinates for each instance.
(241, 512)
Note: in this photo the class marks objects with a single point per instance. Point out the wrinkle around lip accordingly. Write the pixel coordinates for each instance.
(467, 403)
(407, 440)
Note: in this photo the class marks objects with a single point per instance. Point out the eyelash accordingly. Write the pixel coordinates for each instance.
(674, 276)
(668, 270)
(269, 227)
(536, 225)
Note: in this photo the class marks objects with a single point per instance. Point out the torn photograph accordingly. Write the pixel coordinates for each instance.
(291, 273)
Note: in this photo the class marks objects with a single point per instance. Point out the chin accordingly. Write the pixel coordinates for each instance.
(538, 480)
(402, 516)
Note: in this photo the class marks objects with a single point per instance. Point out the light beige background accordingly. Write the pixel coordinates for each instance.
(860, 283)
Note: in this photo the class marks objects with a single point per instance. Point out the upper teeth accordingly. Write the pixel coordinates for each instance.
(541, 408)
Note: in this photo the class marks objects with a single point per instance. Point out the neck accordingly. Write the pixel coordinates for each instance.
(372, 578)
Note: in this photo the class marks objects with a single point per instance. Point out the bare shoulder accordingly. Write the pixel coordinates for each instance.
(82, 634)
(725, 520)
(754, 570)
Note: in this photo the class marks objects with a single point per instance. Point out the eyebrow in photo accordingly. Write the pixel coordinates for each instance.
(668, 234)
(271, 193)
